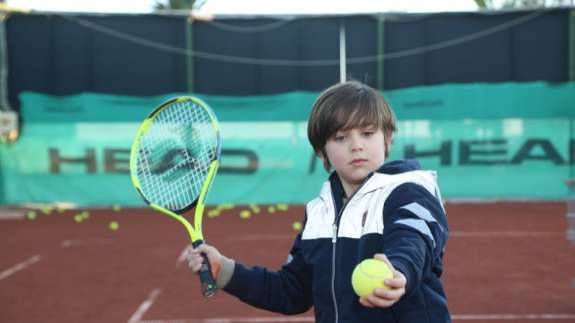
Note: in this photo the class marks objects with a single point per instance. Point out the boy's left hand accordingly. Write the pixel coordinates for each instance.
(386, 297)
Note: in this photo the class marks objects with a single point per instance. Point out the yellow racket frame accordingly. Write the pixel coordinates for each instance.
(195, 231)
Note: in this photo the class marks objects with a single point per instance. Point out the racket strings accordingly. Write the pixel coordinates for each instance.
(175, 154)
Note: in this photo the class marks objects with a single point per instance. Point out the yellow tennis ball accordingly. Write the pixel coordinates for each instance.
(255, 208)
(226, 206)
(271, 209)
(31, 215)
(116, 208)
(78, 218)
(245, 214)
(296, 226)
(114, 226)
(213, 213)
(282, 207)
(369, 275)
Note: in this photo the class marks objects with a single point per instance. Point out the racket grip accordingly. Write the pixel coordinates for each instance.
(207, 281)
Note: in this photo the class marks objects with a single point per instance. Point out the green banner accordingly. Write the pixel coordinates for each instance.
(75, 149)
(453, 101)
(271, 162)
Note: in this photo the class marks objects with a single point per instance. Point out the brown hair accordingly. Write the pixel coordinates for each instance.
(346, 106)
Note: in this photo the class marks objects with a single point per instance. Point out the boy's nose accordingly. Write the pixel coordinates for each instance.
(356, 144)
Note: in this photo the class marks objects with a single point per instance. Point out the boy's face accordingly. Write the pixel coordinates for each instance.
(354, 154)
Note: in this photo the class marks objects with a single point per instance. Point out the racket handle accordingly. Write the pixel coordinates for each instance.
(207, 281)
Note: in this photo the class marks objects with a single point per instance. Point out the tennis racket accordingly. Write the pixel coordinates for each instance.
(173, 162)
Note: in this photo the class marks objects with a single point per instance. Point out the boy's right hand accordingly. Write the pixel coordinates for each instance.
(195, 259)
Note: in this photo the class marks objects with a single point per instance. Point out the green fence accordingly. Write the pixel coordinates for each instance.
(506, 141)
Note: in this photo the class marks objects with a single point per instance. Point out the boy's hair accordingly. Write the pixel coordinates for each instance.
(346, 106)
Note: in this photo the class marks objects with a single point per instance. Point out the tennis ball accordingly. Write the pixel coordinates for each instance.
(31, 215)
(245, 214)
(282, 207)
(116, 208)
(271, 209)
(85, 215)
(369, 275)
(255, 208)
(47, 210)
(296, 226)
(114, 225)
(213, 213)
(226, 206)
(78, 218)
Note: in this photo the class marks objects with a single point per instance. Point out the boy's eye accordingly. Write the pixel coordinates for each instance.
(338, 138)
(368, 133)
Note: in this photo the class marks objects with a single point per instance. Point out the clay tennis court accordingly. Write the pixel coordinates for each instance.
(505, 262)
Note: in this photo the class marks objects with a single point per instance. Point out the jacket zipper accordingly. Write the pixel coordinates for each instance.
(334, 243)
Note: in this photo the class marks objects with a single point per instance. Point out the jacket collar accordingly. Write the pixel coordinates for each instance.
(334, 188)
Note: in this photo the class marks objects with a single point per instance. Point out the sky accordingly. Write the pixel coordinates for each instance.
(255, 6)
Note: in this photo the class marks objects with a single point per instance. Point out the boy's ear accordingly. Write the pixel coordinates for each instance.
(389, 138)
(388, 141)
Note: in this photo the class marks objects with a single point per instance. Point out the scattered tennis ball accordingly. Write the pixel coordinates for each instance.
(271, 209)
(368, 275)
(85, 215)
(31, 215)
(255, 208)
(114, 225)
(297, 226)
(282, 207)
(47, 210)
(245, 214)
(116, 208)
(213, 213)
(226, 206)
(78, 218)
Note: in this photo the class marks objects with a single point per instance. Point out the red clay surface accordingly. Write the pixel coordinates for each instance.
(505, 262)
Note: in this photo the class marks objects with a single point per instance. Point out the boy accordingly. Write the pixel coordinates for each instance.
(366, 209)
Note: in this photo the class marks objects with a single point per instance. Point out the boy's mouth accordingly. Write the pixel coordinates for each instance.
(358, 161)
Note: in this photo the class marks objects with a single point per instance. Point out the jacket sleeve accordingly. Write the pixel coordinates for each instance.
(415, 232)
(286, 291)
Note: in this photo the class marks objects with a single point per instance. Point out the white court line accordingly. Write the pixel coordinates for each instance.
(72, 243)
(145, 306)
(458, 317)
(514, 317)
(23, 265)
(505, 234)
(455, 234)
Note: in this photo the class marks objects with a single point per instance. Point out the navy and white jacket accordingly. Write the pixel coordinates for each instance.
(396, 211)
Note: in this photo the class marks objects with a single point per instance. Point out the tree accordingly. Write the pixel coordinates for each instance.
(514, 4)
(178, 4)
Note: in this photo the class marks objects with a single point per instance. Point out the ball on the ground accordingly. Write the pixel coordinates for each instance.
(254, 208)
(78, 218)
(245, 214)
(31, 215)
(85, 215)
(226, 206)
(369, 275)
(282, 207)
(271, 209)
(114, 225)
(297, 226)
(116, 208)
(213, 213)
